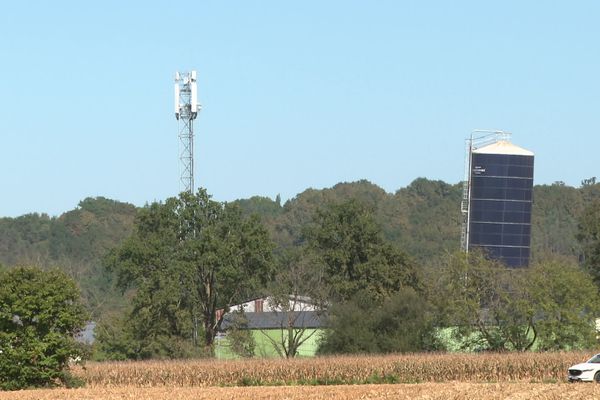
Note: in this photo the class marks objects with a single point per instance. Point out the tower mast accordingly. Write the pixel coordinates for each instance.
(186, 111)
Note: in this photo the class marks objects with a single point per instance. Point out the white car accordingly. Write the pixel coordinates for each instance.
(588, 371)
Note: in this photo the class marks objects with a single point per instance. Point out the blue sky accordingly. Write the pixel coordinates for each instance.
(294, 94)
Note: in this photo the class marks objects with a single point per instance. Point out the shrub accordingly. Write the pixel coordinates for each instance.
(40, 312)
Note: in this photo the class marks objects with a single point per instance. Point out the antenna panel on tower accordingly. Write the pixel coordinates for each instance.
(194, 99)
(177, 107)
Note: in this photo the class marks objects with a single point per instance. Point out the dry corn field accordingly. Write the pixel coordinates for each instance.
(416, 376)
(412, 368)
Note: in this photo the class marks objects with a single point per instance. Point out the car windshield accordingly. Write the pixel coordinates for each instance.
(595, 359)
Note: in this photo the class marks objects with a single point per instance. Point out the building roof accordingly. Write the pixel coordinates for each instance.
(278, 320)
(503, 147)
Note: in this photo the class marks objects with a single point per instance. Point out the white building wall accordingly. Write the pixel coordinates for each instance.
(268, 306)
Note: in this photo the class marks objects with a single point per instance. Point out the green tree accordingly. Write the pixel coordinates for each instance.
(589, 237)
(188, 258)
(262, 206)
(377, 297)
(480, 295)
(401, 322)
(354, 254)
(554, 220)
(40, 313)
(350, 327)
(289, 226)
(114, 338)
(74, 242)
(551, 305)
(567, 304)
(424, 218)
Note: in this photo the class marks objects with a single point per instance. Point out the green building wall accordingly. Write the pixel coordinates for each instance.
(264, 347)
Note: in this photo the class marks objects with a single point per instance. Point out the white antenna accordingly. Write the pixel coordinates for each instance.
(186, 111)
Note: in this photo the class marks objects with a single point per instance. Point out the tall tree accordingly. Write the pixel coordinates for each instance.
(189, 257)
(355, 255)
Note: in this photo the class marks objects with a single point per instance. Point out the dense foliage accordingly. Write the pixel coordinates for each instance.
(75, 242)
(40, 312)
(177, 262)
(589, 237)
(354, 254)
(551, 305)
(188, 257)
(401, 322)
(423, 219)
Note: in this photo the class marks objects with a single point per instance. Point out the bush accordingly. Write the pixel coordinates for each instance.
(400, 323)
(40, 313)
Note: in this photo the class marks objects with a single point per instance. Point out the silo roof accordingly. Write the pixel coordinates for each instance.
(503, 147)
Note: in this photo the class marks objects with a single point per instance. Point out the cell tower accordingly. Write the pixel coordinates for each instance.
(186, 111)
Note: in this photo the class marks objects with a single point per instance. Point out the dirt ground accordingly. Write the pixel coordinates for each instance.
(428, 391)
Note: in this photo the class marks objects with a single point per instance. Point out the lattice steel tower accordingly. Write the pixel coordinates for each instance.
(186, 111)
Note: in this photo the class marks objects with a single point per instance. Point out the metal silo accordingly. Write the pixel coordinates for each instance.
(498, 199)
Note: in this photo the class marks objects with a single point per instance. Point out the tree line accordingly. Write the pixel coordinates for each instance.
(191, 256)
(423, 219)
(382, 268)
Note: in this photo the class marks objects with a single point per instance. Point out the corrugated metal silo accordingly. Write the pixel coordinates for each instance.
(500, 200)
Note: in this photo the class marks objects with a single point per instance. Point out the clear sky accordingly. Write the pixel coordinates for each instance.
(294, 94)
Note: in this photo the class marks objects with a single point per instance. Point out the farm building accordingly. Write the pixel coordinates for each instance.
(271, 325)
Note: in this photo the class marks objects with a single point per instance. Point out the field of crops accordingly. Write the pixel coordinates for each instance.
(412, 368)
(423, 391)
(413, 376)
